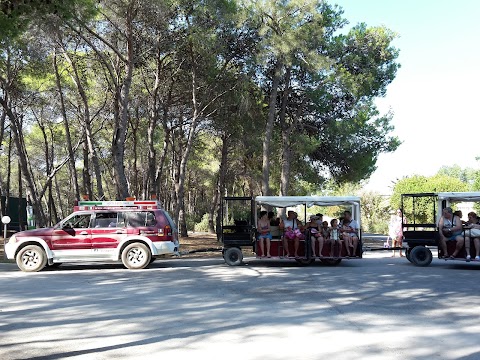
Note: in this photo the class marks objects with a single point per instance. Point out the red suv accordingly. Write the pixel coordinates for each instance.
(135, 232)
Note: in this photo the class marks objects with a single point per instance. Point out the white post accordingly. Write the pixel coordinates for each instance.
(5, 220)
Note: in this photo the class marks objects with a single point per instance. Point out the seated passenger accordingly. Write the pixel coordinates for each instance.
(472, 231)
(292, 231)
(450, 229)
(316, 235)
(460, 215)
(263, 226)
(325, 230)
(349, 231)
(273, 220)
(334, 237)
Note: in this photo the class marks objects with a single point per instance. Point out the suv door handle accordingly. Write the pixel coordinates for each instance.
(84, 232)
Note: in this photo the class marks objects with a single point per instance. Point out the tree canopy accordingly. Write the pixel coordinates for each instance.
(187, 100)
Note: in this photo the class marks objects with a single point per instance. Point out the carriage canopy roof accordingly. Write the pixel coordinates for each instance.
(309, 201)
(459, 196)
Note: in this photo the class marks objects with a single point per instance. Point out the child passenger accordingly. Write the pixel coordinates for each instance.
(264, 235)
(335, 240)
(325, 230)
(316, 235)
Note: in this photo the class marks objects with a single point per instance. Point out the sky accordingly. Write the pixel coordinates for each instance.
(434, 97)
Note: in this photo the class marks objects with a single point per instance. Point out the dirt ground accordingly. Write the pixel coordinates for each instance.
(200, 245)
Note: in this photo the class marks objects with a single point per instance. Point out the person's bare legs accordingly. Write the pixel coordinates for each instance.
(313, 240)
(443, 246)
(399, 244)
(355, 244)
(340, 244)
(321, 241)
(476, 241)
(296, 244)
(267, 241)
(260, 243)
(347, 240)
(467, 248)
(285, 246)
(394, 245)
(460, 240)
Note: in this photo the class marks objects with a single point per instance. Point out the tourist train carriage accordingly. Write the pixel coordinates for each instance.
(422, 212)
(239, 216)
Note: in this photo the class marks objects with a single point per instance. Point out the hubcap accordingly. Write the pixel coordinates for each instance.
(30, 258)
(136, 256)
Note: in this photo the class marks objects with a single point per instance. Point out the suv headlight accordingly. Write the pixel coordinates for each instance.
(12, 240)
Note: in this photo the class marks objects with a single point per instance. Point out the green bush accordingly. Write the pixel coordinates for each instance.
(380, 227)
(203, 224)
(190, 221)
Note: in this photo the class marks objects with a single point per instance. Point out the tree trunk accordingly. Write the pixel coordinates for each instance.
(9, 174)
(87, 179)
(121, 105)
(222, 174)
(20, 187)
(153, 185)
(180, 185)
(286, 149)
(71, 162)
(134, 188)
(2, 134)
(182, 222)
(24, 165)
(272, 111)
(59, 197)
(152, 153)
(48, 166)
(161, 163)
(211, 213)
(87, 123)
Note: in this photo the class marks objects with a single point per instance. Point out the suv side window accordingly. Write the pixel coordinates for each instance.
(81, 221)
(103, 220)
(140, 219)
(151, 221)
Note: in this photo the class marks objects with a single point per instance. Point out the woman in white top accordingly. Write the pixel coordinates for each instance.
(396, 230)
(349, 230)
(292, 231)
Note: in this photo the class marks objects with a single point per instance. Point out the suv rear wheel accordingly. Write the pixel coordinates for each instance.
(31, 258)
(136, 256)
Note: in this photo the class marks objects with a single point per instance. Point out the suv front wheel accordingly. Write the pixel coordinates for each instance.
(31, 258)
(136, 256)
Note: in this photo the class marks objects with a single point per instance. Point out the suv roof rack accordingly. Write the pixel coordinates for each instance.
(108, 205)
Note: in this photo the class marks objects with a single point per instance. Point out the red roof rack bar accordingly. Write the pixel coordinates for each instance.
(99, 205)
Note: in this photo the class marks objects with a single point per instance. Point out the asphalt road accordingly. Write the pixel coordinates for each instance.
(374, 308)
